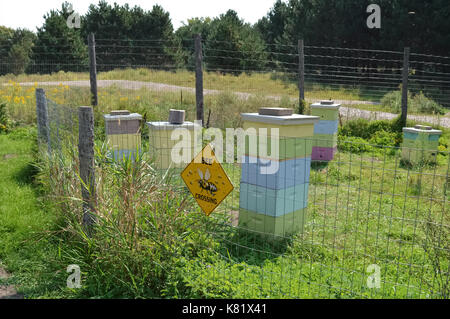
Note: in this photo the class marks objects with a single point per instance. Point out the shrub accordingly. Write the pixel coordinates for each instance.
(422, 104)
(353, 144)
(384, 138)
(393, 101)
(365, 129)
(417, 103)
(5, 122)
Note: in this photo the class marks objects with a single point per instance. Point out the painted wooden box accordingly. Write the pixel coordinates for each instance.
(420, 144)
(169, 147)
(123, 135)
(273, 201)
(278, 227)
(288, 173)
(325, 131)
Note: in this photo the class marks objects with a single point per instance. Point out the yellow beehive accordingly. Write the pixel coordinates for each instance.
(173, 145)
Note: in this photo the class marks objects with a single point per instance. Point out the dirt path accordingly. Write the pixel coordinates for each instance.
(7, 291)
(346, 112)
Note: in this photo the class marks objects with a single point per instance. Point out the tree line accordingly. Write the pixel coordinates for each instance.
(132, 36)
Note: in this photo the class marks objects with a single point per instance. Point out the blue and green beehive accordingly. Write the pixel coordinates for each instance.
(274, 201)
(123, 135)
(325, 131)
(420, 144)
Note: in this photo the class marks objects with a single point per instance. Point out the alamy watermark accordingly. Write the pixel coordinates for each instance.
(73, 20)
(74, 279)
(374, 279)
(258, 143)
(374, 20)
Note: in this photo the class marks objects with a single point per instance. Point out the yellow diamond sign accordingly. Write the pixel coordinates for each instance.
(206, 180)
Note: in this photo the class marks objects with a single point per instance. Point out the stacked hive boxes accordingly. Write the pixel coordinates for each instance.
(123, 134)
(420, 144)
(325, 131)
(273, 201)
(161, 145)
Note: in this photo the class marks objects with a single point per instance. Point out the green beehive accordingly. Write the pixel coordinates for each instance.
(420, 144)
(275, 202)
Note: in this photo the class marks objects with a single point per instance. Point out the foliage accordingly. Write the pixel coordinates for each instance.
(57, 46)
(15, 50)
(366, 129)
(383, 138)
(342, 24)
(417, 103)
(437, 249)
(361, 135)
(142, 37)
(185, 39)
(5, 122)
(353, 144)
(233, 46)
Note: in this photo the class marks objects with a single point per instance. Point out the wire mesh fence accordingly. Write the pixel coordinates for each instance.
(367, 224)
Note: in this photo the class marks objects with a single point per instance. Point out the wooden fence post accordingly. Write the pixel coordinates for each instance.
(93, 69)
(301, 76)
(405, 86)
(86, 158)
(199, 77)
(43, 124)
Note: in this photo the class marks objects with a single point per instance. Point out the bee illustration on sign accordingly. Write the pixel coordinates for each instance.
(204, 184)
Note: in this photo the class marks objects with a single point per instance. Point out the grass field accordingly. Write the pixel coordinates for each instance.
(256, 83)
(28, 248)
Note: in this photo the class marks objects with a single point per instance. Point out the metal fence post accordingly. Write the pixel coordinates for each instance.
(93, 69)
(405, 85)
(301, 76)
(199, 77)
(86, 158)
(42, 118)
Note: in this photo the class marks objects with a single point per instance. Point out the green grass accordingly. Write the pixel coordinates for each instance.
(26, 249)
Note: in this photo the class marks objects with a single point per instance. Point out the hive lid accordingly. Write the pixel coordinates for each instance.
(120, 112)
(422, 129)
(275, 111)
(326, 104)
(294, 119)
(169, 126)
(123, 115)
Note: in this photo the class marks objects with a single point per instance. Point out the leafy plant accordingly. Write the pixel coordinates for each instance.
(417, 103)
(354, 144)
(5, 122)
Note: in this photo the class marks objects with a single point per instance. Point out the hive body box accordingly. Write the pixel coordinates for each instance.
(161, 144)
(325, 131)
(274, 201)
(123, 134)
(420, 144)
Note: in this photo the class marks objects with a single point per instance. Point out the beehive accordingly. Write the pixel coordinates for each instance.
(162, 146)
(274, 201)
(325, 131)
(420, 144)
(123, 134)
